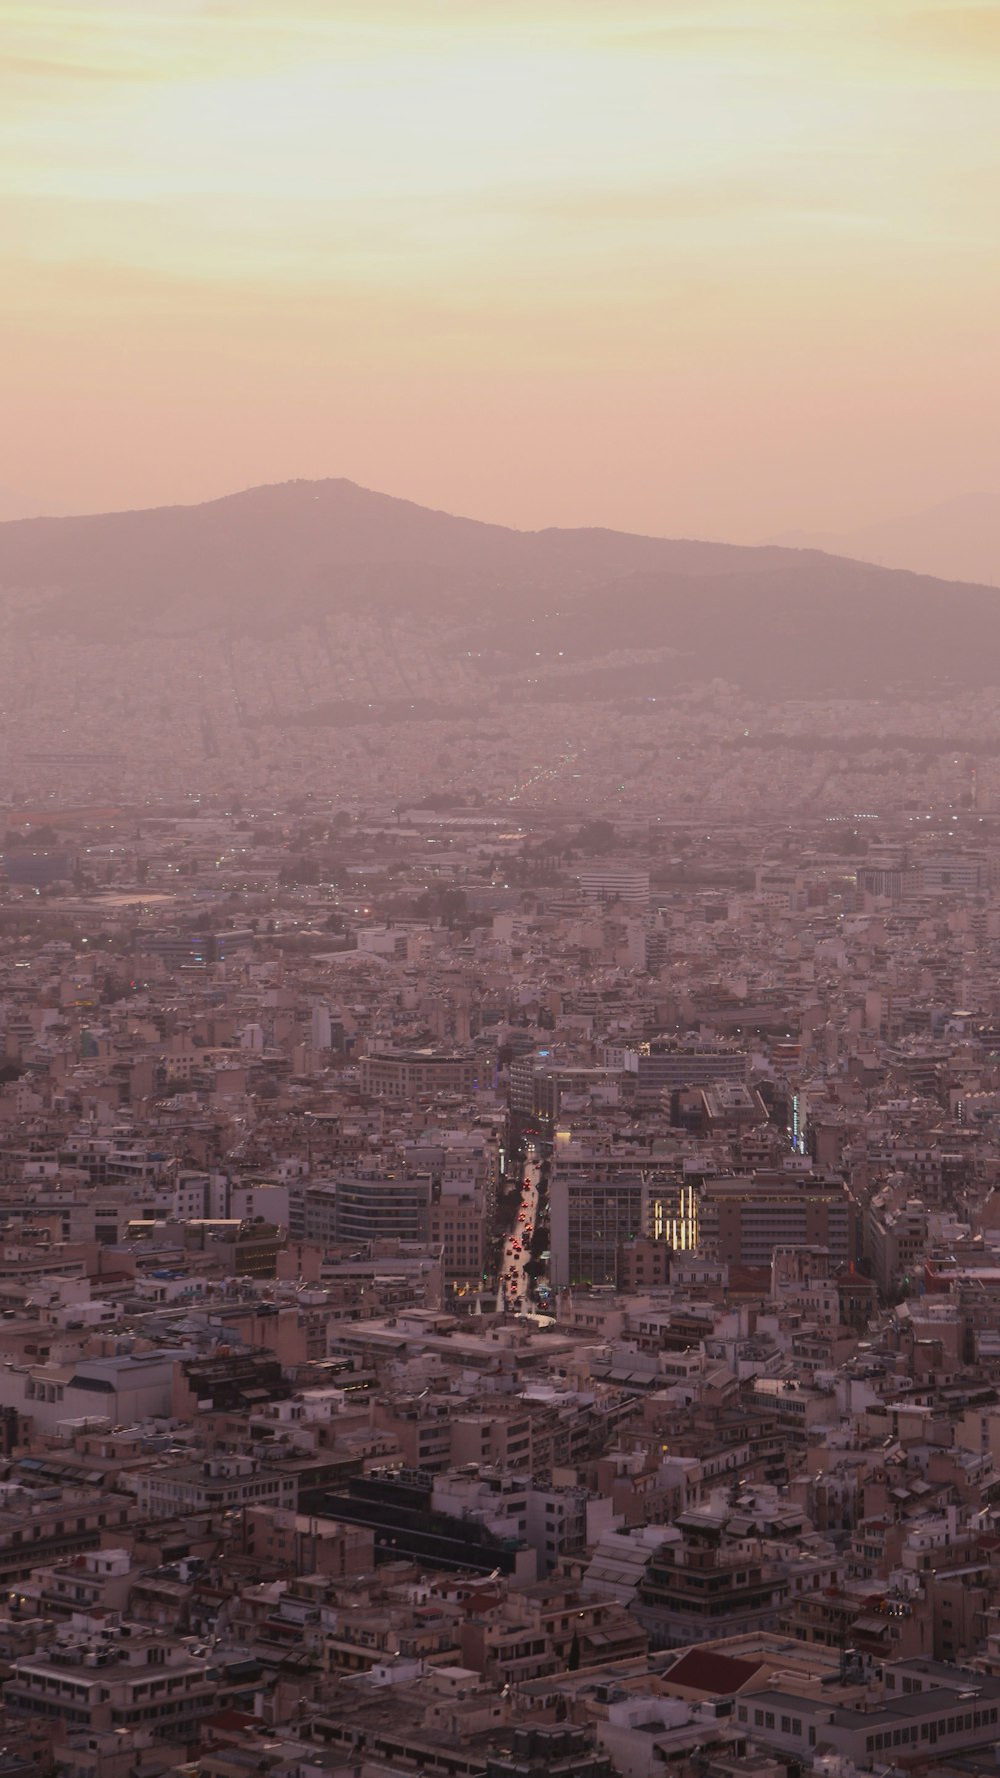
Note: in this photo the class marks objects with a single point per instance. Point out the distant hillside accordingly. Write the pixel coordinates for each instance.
(562, 604)
(956, 539)
(314, 541)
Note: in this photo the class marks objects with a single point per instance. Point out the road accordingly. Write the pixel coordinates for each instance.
(514, 1285)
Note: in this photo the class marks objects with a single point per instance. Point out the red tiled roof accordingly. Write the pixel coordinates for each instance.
(230, 1721)
(704, 1671)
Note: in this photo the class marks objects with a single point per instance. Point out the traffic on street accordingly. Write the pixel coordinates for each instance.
(514, 1293)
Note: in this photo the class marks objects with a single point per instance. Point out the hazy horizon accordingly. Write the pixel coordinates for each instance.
(724, 270)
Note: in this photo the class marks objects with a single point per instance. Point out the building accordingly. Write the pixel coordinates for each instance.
(614, 879)
(116, 1679)
(928, 1711)
(217, 1484)
(642, 1262)
(591, 1219)
(404, 1074)
(38, 1531)
(715, 1575)
(378, 1206)
(743, 1218)
(407, 1526)
(300, 1543)
(456, 1221)
(895, 1238)
(122, 1389)
(186, 950)
(562, 1752)
(666, 1064)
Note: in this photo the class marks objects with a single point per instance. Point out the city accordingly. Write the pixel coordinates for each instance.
(499, 889)
(479, 1292)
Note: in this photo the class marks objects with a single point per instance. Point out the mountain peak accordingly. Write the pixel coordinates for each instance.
(325, 556)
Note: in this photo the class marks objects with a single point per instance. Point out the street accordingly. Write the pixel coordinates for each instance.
(514, 1287)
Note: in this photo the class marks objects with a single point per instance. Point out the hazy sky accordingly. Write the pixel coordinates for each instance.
(719, 267)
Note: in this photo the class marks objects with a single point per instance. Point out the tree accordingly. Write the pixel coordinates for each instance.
(448, 904)
(298, 871)
(454, 904)
(573, 1658)
(595, 837)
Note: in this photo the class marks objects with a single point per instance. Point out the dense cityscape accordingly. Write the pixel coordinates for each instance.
(493, 1288)
(499, 889)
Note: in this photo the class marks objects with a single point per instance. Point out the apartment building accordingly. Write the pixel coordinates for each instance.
(742, 1219)
(120, 1678)
(403, 1074)
(216, 1484)
(592, 1217)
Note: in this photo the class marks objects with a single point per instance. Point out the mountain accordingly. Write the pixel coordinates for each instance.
(375, 585)
(311, 541)
(956, 539)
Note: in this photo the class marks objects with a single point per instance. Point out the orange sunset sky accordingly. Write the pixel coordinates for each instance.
(719, 268)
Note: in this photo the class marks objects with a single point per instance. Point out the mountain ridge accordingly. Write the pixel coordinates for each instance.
(390, 510)
(303, 555)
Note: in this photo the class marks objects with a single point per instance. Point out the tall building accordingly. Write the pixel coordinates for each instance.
(536, 1087)
(457, 1222)
(375, 1206)
(895, 1237)
(613, 879)
(743, 1218)
(668, 1063)
(592, 1215)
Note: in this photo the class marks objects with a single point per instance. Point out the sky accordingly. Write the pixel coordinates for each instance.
(717, 269)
